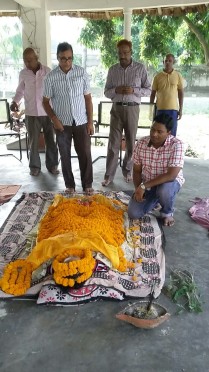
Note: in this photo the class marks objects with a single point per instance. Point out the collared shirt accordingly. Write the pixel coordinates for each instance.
(167, 86)
(66, 92)
(31, 88)
(134, 75)
(157, 161)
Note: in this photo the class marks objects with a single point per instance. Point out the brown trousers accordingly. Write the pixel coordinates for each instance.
(123, 118)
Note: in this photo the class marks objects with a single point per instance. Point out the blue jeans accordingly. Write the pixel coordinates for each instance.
(164, 194)
(173, 114)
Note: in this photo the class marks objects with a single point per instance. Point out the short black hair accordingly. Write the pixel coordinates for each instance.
(171, 55)
(124, 42)
(62, 47)
(164, 119)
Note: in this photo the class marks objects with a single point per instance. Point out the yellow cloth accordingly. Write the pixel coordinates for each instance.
(167, 86)
(49, 248)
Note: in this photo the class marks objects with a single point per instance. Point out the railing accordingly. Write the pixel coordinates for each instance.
(7, 130)
(102, 125)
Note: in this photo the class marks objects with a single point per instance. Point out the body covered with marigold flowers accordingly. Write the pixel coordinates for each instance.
(70, 233)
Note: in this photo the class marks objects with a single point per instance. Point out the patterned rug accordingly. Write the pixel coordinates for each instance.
(18, 237)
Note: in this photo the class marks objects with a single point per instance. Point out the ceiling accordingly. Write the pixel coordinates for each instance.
(105, 9)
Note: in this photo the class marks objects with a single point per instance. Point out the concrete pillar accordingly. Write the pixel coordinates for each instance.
(36, 31)
(127, 23)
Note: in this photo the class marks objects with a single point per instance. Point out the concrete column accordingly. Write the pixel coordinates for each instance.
(127, 23)
(36, 31)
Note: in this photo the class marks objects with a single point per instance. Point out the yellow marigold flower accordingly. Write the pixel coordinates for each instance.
(134, 278)
(82, 268)
(139, 260)
(70, 215)
(17, 277)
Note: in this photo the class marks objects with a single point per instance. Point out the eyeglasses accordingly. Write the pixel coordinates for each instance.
(125, 53)
(64, 59)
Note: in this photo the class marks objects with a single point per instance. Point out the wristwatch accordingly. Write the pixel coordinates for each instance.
(142, 185)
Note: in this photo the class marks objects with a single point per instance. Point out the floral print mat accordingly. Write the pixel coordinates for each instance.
(17, 239)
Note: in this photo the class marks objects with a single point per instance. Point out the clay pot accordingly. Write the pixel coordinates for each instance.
(160, 316)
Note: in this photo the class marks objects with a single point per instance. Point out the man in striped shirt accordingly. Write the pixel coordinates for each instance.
(67, 101)
(126, 83)
(157, 171)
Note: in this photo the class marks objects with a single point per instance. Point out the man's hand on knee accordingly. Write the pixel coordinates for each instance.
(139, 194)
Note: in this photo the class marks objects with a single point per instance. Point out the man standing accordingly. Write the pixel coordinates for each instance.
(126, 83)
(31, 88)
(71, 111)
(157, 171)
(168, 86)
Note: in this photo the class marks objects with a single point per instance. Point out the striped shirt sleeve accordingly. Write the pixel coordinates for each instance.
(86, 88)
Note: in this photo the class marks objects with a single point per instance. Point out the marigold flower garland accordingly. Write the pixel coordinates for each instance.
(17, 277)
(68, 273)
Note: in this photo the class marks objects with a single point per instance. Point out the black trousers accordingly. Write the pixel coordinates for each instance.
(82, 144)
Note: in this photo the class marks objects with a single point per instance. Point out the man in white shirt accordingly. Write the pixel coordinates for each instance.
(67, 101)
(31, 88)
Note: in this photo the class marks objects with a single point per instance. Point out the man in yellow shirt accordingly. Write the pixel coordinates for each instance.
(167, 86)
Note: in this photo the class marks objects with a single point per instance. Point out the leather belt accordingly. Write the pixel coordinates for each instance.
(126, 103)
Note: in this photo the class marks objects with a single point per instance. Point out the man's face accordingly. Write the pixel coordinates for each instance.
(168, 62)
(31, 61)
(65, 60)
(158, 134)
(124, 54)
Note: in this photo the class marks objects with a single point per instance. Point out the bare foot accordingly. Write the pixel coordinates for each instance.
(106, 182)
(34, 171)
(54, 170)
(70, 190)
(128, 179)
(89, 191)
(168, 221)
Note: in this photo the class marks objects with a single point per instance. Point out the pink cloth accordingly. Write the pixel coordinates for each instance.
(31, 88)
(200, 211)
(7, 192)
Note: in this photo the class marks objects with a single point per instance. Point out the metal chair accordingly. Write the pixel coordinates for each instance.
(7, 130)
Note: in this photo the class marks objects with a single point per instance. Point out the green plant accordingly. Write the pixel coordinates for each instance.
(191, 153)
(182, 289)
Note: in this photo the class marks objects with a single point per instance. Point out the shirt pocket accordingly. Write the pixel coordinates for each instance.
(137, 81)
(76, 86)
(173, 81)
